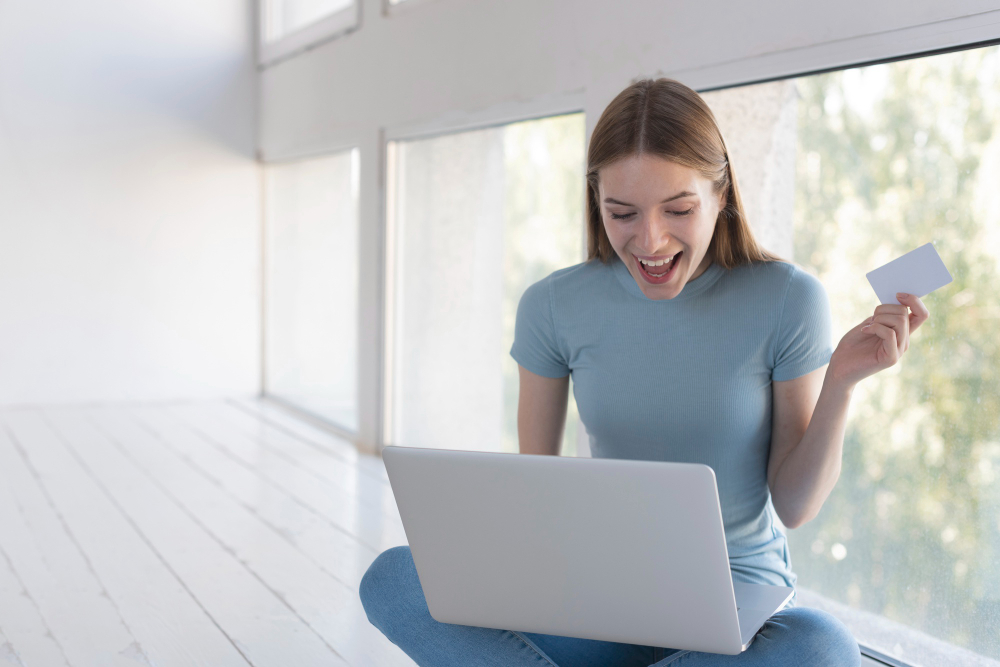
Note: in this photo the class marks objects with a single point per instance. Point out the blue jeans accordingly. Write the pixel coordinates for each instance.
(394, 602)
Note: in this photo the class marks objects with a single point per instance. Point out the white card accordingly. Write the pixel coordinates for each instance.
(918, 272)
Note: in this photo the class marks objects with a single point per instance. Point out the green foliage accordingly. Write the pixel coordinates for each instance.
(890, 157)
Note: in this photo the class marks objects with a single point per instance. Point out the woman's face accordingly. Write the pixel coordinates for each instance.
(659, 217)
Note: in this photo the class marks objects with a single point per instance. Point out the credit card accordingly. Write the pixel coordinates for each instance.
(918, 272)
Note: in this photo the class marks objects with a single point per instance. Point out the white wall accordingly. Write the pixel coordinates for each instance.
(129, 204)
(430, 66)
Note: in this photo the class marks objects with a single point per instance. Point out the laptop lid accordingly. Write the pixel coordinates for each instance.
(610, 549)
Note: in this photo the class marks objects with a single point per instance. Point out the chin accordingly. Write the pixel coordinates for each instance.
(659, 292)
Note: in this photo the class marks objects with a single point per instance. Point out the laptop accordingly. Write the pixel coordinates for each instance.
(610, 549)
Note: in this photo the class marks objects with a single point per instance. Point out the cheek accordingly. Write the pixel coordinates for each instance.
(706, 228)
(615, 234)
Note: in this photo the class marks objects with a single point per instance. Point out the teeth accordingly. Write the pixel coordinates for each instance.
(658, 262)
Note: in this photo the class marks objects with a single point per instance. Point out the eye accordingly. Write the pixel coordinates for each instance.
(682, 213)
(623, 216)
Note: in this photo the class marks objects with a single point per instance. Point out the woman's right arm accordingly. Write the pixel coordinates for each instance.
(541, 412)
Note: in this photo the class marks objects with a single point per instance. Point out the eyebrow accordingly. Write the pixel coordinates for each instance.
(679, 195)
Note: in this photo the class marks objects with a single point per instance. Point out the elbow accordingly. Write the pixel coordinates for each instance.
(793, 522)
(796, 508)
(793, 518)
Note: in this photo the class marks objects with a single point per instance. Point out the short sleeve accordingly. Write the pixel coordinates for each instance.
(803, 341)
(535, 346)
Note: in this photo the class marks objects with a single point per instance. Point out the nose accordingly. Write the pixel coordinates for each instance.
(654, 235)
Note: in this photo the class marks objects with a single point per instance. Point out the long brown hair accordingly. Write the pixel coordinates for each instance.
(666, 118)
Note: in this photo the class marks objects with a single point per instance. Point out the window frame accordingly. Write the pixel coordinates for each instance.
(266, 296)
(539, 108)
(721, 77)
(907, 43)
(389, 8)
(271, 52)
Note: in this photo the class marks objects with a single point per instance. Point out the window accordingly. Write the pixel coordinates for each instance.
(290, 26)
(474, 219)
(312, 286)
(861, 166)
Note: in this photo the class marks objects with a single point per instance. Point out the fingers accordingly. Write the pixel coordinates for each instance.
(889, 342)
(898, 322)
(900, 319)
(920, 312)
(891, 309)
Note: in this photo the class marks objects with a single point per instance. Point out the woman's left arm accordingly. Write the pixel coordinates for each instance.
(810, 412)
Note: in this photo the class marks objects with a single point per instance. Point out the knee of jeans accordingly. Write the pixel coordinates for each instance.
(823, 637)
(384, 582)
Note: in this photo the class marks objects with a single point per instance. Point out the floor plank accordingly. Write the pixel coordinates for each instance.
(315, 479)
(278, 416)
(329, 545)
(25, 638)
(195, 533)
(260, 622)
(169, 626)
(278, 427)
(328, 605)
(48, 562)
(370, 486)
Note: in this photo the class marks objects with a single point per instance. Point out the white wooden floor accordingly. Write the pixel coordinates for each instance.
(214, 533)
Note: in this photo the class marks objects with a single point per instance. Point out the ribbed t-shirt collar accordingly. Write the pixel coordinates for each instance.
(692, 289)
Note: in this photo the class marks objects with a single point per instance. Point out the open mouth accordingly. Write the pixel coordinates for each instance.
(660, 271)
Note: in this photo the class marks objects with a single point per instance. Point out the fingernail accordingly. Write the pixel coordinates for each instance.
(867, 326)
(901, 295)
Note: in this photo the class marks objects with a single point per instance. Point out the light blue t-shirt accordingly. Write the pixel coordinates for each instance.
(686, 379)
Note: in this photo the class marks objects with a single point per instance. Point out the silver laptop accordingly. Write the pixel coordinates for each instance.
(610, 549)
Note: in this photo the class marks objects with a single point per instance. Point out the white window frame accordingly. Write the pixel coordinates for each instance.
(963, 34)
(389, 8)
(339, 23)
(265, 291)
(958, 34)
(497, 116)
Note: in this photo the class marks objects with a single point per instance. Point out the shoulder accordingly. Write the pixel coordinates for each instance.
(803, 288)
(545, 309)
(570, 296)
(777, 282)
(581, 278)
(803, 330)
(585, 272)
(797, 297)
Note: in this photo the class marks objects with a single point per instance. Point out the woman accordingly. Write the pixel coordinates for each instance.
(686, 342)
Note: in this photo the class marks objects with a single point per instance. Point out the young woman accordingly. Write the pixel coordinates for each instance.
(686, 342)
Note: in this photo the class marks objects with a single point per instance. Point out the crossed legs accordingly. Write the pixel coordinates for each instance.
(394, 601)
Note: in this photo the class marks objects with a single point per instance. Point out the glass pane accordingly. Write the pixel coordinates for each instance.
(888, 157)
(312, 286)
(286, 16)
(476, 217)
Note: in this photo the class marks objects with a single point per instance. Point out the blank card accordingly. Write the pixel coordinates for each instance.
(918, 272)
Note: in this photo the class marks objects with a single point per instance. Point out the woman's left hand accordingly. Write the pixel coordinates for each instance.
(878, 342)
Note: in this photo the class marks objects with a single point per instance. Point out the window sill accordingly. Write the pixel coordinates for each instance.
(909, 647)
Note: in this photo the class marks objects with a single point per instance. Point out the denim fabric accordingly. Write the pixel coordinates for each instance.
(394, 601)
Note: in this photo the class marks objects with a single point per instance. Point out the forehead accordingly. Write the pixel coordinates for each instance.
(652, 176)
